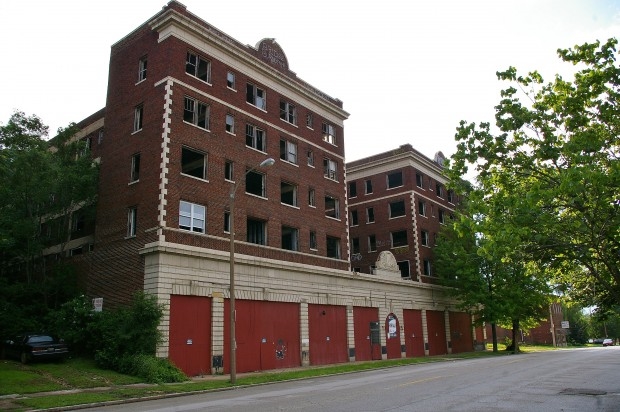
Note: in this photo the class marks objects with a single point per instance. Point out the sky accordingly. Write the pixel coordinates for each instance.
(407, 71)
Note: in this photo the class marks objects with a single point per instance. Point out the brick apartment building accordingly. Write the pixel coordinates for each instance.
(397, 202)
(190, 115)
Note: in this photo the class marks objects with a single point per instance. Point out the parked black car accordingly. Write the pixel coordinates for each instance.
(31, 347)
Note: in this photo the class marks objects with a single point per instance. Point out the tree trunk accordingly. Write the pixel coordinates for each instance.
(515, 336)
(494, 335)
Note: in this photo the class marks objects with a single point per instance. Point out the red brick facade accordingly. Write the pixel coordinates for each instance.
(117, 269)
(415, 206)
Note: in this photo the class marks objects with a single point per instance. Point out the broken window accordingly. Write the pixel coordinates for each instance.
(142, 69)
(397, 209)
(288, 112)
(256, 96)
(138, 117)
(198, 66)
(370, 215)
(355, 245)
(394, 179)
(135, 168)
(256, 231)
(424, 238)
(333, 247)
(255, 183)
(290, 236)
(332, 207)
(288, 151)
(230, 80)
(228, 170)
(399, 238)
(330, 169)
(354, 220)
(196, 113)
(352, 189)
(288, 193)
(329, 133)
(313, 244)
(132, 221)
(230, 123)
(193, 163)
(254, 137)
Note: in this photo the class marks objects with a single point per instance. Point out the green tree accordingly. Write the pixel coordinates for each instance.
(481, 257)
(40, 184)
(553, 159)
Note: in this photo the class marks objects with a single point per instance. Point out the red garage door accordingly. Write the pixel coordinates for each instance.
(460, 332)
(328, 334)
(414, 335)
(436, 327)
(267, 335)
(190, 334)
(361, 323)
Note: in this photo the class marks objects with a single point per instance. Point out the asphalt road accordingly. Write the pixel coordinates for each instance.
(565, 380)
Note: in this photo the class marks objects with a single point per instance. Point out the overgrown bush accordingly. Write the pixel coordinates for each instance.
(128, 331)
(74, 322)
(151, 369)
(123, 340)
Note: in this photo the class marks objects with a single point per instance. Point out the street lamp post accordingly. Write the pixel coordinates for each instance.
(231, 223)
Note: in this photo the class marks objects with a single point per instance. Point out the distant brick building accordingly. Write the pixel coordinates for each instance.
(397, 202)
(190, 115)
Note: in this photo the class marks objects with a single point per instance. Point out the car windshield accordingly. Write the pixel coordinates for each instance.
(40, 339)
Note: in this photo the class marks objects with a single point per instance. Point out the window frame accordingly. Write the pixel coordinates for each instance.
(330, 169)
(370, 211)
(138, 120)
(422, 208)
(229, 170)
(132, 222)
(312, 197)
(231, 84)
(229, 126)
(256, 237)
(288, 112)
(354, 217)
(313, 240)
(134, 175)
(256, 142)
(253, 98)
(394, 208)
(425, 238)
(389, 179)
(185, 163)
(353, 189)
(142, 68)
(293, 190)
(198, 109)
(399, 239)
(294, 240)
(193, 217)
(329, 133)
(336, 240)
(286, 154)
(372, 243)
(196, 72)
(368, 186)
(251, 177)
(336, 207)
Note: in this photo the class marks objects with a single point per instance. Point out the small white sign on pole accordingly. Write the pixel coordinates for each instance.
(98, 304)
(565, 324)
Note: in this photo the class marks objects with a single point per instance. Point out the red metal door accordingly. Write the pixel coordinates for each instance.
(190, 334)
(328, 334)
(436, 327)
(361, 323)
(460, 332)
(392, 335)
(414, 336)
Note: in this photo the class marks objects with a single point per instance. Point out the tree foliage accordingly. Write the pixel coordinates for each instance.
(42, 188)
(549, 173)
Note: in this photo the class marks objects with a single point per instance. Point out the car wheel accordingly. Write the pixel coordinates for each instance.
(24, 358)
